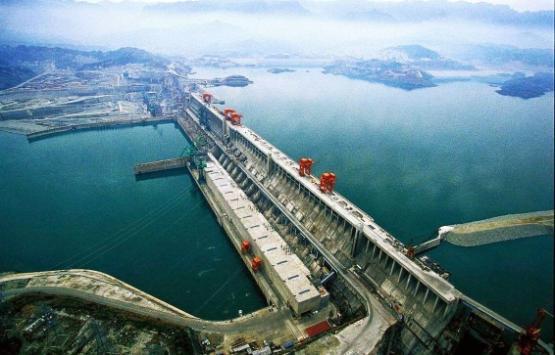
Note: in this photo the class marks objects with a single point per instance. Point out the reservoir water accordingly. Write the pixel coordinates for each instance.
(72, 201)
(418, 160)
(413, 160)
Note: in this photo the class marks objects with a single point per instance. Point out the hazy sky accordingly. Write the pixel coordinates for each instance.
(520, 5)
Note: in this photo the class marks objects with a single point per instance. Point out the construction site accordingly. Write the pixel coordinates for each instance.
(334, 280)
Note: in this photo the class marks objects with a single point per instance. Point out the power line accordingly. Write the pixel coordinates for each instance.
(123, 233)
(124, 230)
(121, 239)
(218, 290)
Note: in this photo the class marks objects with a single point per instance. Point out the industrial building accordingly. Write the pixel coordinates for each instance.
(269, 252)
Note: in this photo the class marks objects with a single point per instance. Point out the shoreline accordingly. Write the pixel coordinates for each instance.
(54, 131)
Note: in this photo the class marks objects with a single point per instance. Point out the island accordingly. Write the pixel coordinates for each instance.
(280, 70)
(390, 73)
(232, 80)
(527, 87)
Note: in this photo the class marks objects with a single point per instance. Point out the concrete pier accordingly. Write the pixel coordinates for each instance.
(46, 132)
(427, 245)
(285, 271)
(160, 165)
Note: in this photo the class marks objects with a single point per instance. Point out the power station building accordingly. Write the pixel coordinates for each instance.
(268, 251)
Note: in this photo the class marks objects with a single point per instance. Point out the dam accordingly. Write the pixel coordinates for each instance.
(335, 245)
(291, 236)
(319, 260)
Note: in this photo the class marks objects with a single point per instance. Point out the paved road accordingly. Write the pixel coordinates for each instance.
(257, 322)
(26, 81)
(97, 277)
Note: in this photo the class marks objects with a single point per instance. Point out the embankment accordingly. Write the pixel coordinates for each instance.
(499, 229)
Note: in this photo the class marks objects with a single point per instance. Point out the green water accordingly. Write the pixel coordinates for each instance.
(422, 159)
(72, 201)
(413, 160)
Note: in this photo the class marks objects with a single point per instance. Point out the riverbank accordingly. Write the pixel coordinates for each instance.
(35, 129)
(78, 189)
(103, 290)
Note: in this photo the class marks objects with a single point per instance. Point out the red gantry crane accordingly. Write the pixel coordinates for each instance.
(256, 263)
(232, 116)
(207, 97)
(529, 338)
(245, 246)
(327, 182)
(305, 166)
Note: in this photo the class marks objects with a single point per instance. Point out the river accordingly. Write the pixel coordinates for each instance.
(413, 160)
(72, 201)
(418, 160)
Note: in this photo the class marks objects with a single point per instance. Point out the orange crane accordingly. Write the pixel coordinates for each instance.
(245, 246)
(207, 97)
(327, 182)
(235, 118)
(256, 263)
(232, 116)
(228, 111)
(529, 338)
(305, 166)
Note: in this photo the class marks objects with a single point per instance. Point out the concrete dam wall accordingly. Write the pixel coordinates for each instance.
(309, 219)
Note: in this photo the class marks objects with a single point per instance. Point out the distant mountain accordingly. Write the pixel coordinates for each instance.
(19, 63)
(493, 54)
(290, 7)
(416, 52)
(358, 10)
(11, 76)
(370, 15)
(420, 11)
(17, 2)
(36, 58)
(423, 58)
(125, 56)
